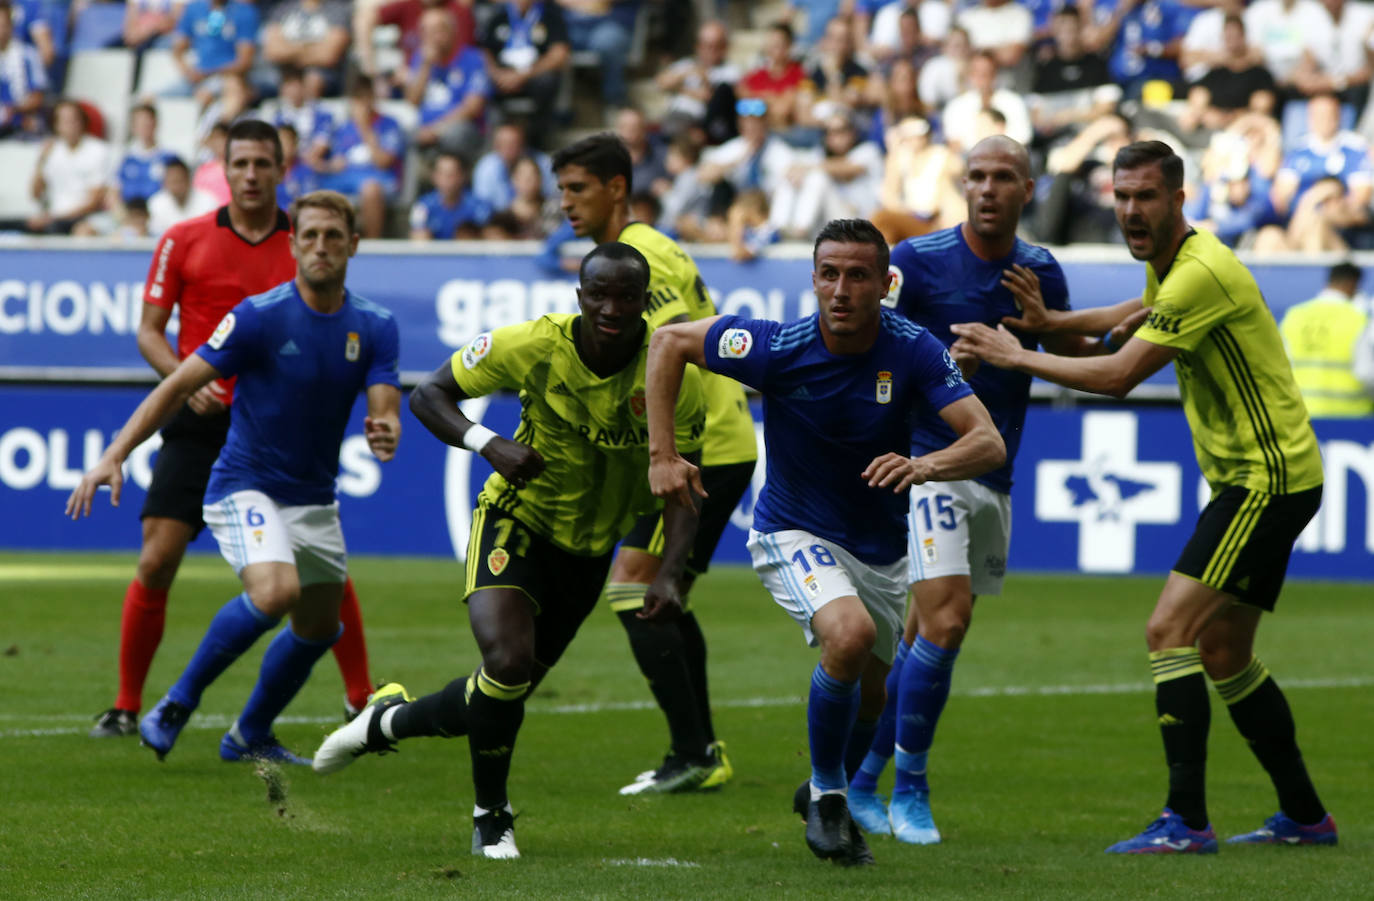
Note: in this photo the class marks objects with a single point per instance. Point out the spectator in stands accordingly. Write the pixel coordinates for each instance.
(1228, 90)
(603, 27)
(33, 24)
(312, 122)
(23, 81)
(449, 85)
(943, 76)
(900, 100)
(1143, 38)
(1322, 337)
(451, 210)
(532, 214)
(134, 222)
(140, 172)
(1286, 31)
(1232, 200)
(778, 81)
(1324, 187)
(687, 204)
(835, 81)
(1071, 86)
(363, 157)
(209, 173)
(701, 88)
(70, 179)
(912, 45)
(223, 35)
(1000, 27)
(235, 98)
(298, 176)
(841, 184)
(1345, 69)
(404, 15)
(526, 47)
(756, 160)
(818, 13)
(749, 227)
(1074, 200)
(1204, 43)
(920, 190)
(880, 21)
(177, 200)
(960, 117)
(313, 36)
(147, 22)
(646, 152)
(492, 176)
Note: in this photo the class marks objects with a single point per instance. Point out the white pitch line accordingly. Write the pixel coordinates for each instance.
(222, 720)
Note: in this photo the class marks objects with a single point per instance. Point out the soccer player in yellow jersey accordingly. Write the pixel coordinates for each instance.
(565, 489)
(1257, 450)
(594, 176)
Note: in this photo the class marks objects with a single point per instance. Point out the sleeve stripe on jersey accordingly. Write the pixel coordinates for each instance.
(367, 306)
(792, 335)
(900, 325)
(938, 241)
(1248, 391)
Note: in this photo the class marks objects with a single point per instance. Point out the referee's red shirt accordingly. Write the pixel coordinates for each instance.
(205, 267)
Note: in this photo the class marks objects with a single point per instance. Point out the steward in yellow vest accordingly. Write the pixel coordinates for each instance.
(1320, 336)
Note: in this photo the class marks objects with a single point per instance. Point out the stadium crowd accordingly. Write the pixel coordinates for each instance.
(433, 116)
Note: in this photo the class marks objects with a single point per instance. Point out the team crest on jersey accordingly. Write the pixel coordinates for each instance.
(928, 551)
(353, 347)
(638, 405)
(736, 343)
(884, 389)
(475, 351)
(497, 560)
(222, 331)
(812, 584)
(894, 286)
(257, 537)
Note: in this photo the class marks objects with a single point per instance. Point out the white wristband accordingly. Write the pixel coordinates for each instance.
(477, 437)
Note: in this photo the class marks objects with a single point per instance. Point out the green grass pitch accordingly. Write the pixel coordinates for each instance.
(1047, 753)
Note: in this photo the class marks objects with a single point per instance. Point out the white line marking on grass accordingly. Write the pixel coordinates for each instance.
(650, 862)
(222, 720)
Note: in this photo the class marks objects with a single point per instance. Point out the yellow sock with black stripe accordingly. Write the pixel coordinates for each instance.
(1184, 719)
(1261, 714)
(625, 595)
(495, 712)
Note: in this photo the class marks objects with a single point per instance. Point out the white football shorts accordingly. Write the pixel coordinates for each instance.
(252, 528)
(804, 573)
(959, 529)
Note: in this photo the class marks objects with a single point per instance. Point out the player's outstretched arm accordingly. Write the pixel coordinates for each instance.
(1113, 375)
(382, 425)
(671, 348)
(1024, 286)
(435, 403)
(168, 397)
(662, 600)
(978, 449)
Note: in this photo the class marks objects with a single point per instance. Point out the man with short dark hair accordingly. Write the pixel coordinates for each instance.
(1320, 336)
(829, 534)
(1255, 447)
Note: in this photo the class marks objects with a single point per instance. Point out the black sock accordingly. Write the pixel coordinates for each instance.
(1261, 713)
(659, 651)
(441, 714)
(1184, 718)
(694, 646)
(495, 712)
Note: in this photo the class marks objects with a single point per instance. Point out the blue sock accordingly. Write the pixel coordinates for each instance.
(233, 630)
(880, 748)
(856, 750)
(285, 667)
(920, 699)
(830, 715)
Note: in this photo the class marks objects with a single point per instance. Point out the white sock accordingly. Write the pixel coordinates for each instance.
(385, 724)
(816, 792)
(482, 811)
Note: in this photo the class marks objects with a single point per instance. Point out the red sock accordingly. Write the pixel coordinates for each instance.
(351, 649)
(140, 632)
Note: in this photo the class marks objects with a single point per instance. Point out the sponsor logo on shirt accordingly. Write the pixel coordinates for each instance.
(736, 343)
(476, 350)
(161, 275)
(1163, 322)
(353, 347)
(884, 389)
(222, 331)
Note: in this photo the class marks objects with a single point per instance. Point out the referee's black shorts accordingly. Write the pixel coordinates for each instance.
(562, 587)
(724, 485)
(190, 444)
(1243, 540)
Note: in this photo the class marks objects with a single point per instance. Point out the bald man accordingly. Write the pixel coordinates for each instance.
(959, 532)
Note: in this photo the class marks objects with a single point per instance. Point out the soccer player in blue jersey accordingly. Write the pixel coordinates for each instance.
(829, 527)
(301, 352)
(959, 532)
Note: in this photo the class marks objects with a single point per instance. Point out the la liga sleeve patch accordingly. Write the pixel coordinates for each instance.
(222, 331)
(478, 348)
(735, 343)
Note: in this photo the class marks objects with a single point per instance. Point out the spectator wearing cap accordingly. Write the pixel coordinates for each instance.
(449, 85)
(960, 117)
(223, 34)
(492, 176)
(1071, 85)
(70, 179)
(603, 27)
(140, 172)
(23, 81)
(526, 48)
(363, 157)
(778, 81)
(756, 160)
(451, 210)
(177, 200)
(313, 36)
(701, 88)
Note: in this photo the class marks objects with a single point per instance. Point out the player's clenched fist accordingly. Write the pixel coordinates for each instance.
(517, 463)
(676, 478)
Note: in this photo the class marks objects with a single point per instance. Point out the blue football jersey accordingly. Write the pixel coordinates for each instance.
(826, 417)
(299, 372)
(941, 282)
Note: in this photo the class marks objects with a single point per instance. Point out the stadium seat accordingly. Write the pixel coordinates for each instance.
(157, 73)
(176, 126)
(104, 78)
(97, 26)
(18, 160)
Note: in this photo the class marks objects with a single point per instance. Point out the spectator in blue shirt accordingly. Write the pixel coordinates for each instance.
(365, 155)
(449, 85)
(141, 171)
(223, 34)
(34, 26)
(491, 177)
(22, 80)
(1233, 205)
(603, 28)
(313, 123)
(299, 177)
(1144, 39)
(451, 210)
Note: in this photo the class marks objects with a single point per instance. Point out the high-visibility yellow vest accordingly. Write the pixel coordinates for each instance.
(1320, 335)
